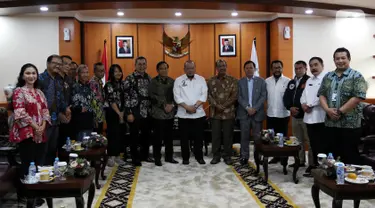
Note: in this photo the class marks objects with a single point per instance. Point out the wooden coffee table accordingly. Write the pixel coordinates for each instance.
(339, 192)
(272, 150)
(97, 156)
(71, 187)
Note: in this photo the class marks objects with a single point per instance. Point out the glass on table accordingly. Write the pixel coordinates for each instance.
(63, 167)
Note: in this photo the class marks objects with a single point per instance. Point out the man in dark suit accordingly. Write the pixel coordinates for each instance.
(252, 93)
(125, 47)
(227, 47)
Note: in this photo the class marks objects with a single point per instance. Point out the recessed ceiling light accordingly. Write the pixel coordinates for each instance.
(309, 11)
(178, 14)
(120, 13)
(43, 8)
(234, 14)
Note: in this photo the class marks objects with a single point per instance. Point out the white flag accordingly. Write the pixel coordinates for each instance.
(254, 58)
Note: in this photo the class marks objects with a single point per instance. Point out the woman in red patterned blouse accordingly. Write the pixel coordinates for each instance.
(31, 116)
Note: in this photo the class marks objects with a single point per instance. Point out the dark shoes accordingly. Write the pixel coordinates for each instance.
(158, 163)
(300, 165)
(201, 161)
(214, 161)
(149, 159)
(185, 162)
(274, 160)
(308, 171)
(244, 161)
(137, 163)
(173, 161)
(228, 161)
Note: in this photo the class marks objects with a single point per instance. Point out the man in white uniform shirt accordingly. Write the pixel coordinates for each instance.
(190, 92)
(314, 113)
(277, 114)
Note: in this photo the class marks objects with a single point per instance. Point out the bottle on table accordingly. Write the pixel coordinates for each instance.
(281, 139)
(56, 171)
(68, 144)
(340, 173)
(32, 173)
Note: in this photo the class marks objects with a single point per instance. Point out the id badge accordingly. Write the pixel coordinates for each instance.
(334, 95)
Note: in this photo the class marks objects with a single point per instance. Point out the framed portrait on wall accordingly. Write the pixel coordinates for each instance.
(227, 45)
(124, 47)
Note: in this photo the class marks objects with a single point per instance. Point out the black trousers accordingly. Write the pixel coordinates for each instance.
(163, 132)
(99, 129)
(30, 152)
(191, 129)
(50, 150)
(279, 125)
(115, 133)
(140, 133)
(65, 131)
(222, 130)
(316, 133)
(343, 143)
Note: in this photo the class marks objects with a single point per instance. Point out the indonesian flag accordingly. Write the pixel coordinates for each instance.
(105, 62)
(254, 57)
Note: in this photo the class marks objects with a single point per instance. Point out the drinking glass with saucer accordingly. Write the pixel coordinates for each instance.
(63, 167)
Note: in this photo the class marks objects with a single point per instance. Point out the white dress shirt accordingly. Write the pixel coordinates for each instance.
(275, 93)
(310, 98)
(189, 92)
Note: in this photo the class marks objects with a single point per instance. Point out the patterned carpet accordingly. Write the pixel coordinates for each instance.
(119, 190)
(266, 193)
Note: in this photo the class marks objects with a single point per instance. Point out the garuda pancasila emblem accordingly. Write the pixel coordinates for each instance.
(175, 46)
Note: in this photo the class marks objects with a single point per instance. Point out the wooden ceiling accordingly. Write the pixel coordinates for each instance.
(14, 7)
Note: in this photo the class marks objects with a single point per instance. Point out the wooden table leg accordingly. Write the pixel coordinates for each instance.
(315, 195)
(284, 163)
(30, 203)
(336, 203)
(80, 202)
(356, 203)
(265, 168)
(104, 164)
(49, 202)
(257, 159)
(97, 173)
(295, 168)
(91, 195)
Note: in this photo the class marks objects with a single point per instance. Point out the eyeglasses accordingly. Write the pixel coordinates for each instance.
(56, 63)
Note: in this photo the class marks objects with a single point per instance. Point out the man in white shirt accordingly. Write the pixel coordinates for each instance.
(190, 92)
(277, 114)
(314, 113)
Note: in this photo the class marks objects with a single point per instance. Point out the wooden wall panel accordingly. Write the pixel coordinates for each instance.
(73, 47)
(248, 32)
(127, 64)
(95, 34)
(233, 63)
(281, 48)
(176, 65)
(202, 48)
(150, 46)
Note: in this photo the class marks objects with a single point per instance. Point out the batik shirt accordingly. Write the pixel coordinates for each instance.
(96, 86)
(137, 101)
(84, 97)
(161, 93)
(30, 106)
(53, 91)
(114, 93)
(338, 91)
(222, 92)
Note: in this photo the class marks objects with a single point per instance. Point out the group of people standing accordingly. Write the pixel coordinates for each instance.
(55, 104)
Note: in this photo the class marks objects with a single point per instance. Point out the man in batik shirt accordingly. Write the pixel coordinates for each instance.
(96, 85)
(222, 95)
(341, 93)
(50, 83)
(137, 108)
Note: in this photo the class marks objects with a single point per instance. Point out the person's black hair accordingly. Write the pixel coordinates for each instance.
(97, 64)
(67, 57)
(277, 62)
(111, 73)
(49, 59)
(301, 62)
(21, 82)
(140, 58)
(160, 63)
(340, 50)
(249, 62)
(320, 60)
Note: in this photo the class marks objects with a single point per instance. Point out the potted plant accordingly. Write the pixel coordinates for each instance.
(79, 168)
